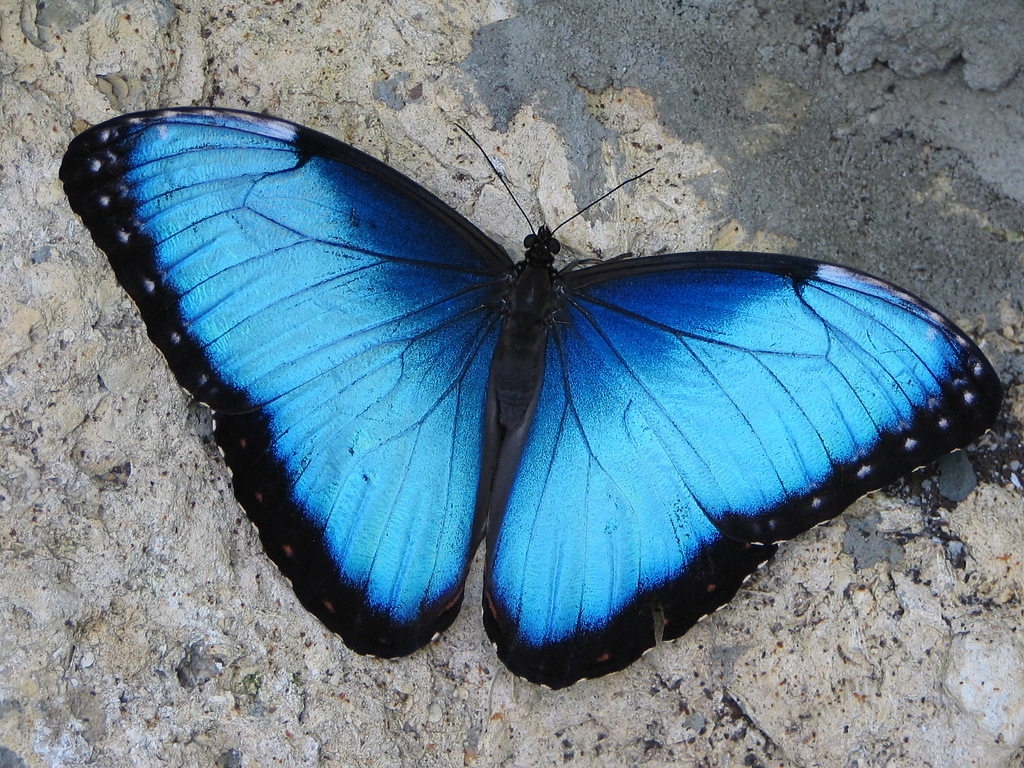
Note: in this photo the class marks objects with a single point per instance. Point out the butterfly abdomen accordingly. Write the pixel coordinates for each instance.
(514, 386)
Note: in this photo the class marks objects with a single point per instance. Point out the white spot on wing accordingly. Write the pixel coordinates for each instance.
(275, 129)
(848, 278)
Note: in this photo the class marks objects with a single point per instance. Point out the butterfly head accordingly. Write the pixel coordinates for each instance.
(541, 248)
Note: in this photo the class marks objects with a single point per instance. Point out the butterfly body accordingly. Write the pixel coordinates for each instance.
(517, 372)
(390, 389)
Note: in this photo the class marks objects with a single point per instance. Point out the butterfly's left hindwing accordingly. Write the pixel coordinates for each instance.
(695, 404)
(339, 320)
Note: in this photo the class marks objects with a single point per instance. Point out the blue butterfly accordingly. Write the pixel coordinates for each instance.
(390, 388)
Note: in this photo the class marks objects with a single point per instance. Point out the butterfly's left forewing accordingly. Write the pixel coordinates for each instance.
(339, 321)
(695, 404)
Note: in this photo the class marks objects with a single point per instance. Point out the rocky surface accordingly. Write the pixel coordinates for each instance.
(142, 625)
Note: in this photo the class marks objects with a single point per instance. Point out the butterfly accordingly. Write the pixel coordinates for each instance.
(390, 388)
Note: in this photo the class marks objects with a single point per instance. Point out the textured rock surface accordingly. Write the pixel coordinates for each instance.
(140, 622)
(917, 38)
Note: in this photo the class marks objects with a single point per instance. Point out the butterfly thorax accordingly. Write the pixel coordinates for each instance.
(517, 368)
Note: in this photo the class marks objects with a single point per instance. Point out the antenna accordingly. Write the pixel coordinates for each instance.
(508, 189)
(499, 174)
(611, 191)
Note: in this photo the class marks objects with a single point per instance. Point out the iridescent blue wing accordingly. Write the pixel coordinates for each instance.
(339, 320)
(694, 404)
